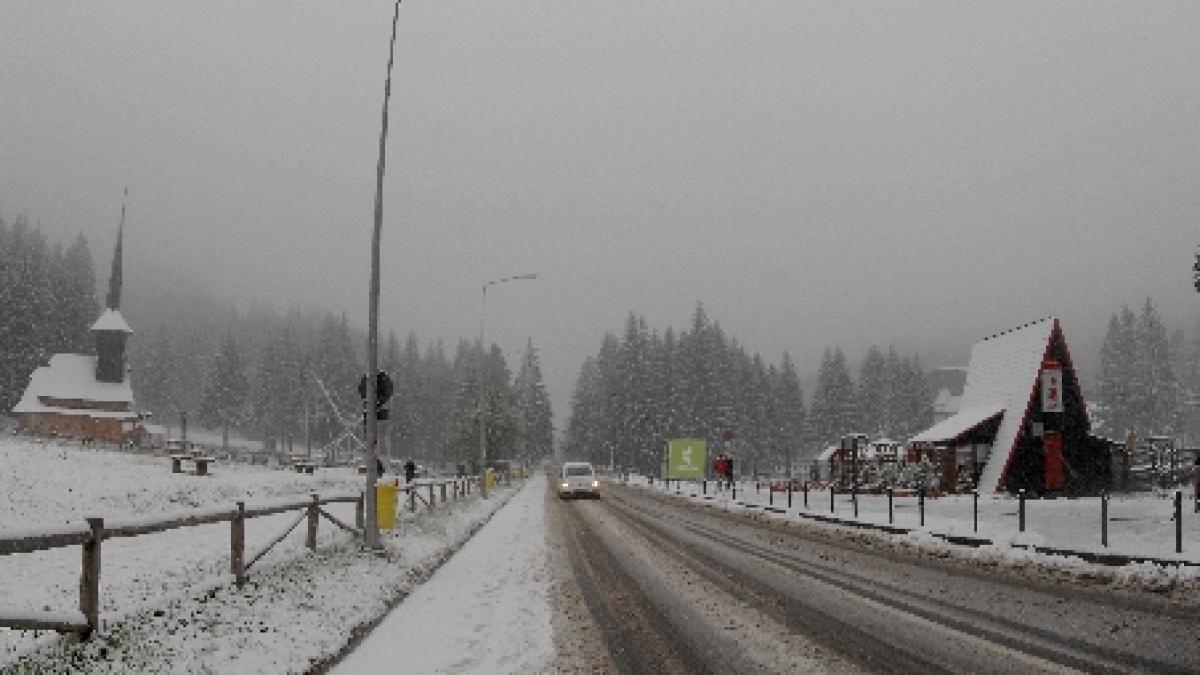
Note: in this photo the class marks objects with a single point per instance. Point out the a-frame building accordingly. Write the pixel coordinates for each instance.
(1002, 435)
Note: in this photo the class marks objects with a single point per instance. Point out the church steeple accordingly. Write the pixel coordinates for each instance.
(113, 301)
(110, 329)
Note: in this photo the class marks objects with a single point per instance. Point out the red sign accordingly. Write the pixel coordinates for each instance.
(1052, 396)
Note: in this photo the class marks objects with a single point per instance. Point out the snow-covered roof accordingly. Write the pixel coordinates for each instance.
(112, 320)
(827, 453)
(1000, 378)
(959, 423)
(73, 376)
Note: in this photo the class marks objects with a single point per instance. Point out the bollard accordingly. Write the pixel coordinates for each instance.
(756, 487)
(921, 504)
(1104, 519)
(1179, 521)
(891, 514)
(770, 497)
(1021, 510)
(704, 486)
(975, 509)
(735, 492)
(789, 495)
(854, 498)
(805, 495)
(432, 501)
(831, 491)
(237, 544)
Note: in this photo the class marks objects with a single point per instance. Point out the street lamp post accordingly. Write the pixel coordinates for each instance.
(482, 386)
(371, 452)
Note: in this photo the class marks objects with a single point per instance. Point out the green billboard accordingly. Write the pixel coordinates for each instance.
(686, 458)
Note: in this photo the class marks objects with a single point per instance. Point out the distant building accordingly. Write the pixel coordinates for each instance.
(84, 396)
(947, 384)
(1002, 435)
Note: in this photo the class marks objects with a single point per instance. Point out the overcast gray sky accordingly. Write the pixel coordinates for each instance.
(817, 173)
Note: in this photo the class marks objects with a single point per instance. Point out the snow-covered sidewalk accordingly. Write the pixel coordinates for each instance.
(486, 610)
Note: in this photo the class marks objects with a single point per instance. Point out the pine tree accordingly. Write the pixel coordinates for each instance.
(872, 392)
(833, 412)
(535, 421)
(1156, 390)
(224, 402)
(789, 410)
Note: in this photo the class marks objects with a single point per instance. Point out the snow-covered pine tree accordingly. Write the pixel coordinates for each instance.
(77, 307)
(535, 420)
(871, 392)
(224, 403)
(1156, 392)
(790, 413)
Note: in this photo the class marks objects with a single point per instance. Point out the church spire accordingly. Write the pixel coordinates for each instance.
(113, 301)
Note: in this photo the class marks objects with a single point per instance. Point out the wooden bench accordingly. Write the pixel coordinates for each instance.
(200, 462)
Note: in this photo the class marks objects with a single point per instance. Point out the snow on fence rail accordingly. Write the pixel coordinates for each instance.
(87, 620)
(89, 536)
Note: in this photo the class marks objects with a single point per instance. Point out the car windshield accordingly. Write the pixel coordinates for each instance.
(578, 470)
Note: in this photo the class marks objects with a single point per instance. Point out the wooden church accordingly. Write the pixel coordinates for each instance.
(84, 396)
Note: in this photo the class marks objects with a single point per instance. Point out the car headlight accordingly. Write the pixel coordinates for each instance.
(566, 485)
(595, 483)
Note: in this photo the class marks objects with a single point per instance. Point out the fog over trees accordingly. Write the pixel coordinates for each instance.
(289, 378)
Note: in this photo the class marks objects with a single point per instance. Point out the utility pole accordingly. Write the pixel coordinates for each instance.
(371, 522)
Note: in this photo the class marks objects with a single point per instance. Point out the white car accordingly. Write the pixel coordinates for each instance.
(578, 479)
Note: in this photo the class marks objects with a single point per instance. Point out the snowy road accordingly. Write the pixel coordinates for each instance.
(670, 587)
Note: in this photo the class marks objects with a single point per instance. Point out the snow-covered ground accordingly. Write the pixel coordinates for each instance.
(485, 611)
(168, 601)
(1140, 524)
(169, 604)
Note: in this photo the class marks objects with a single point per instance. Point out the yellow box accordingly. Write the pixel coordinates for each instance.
(385, 505)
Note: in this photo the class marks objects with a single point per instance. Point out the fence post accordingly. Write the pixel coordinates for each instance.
(432, 501)
(975, 509)
(314, 516)
(854, 498)
(443, 493)
(789, 494)
(831, 491)
(412, 497)
(805, 495)
(1021, 510)
(358, 511)
(89, 577)
(1179, 521)
(921, 504)
(237, 544)
(1104, 519)
(704, 486)
(891, 514)
(770, 496)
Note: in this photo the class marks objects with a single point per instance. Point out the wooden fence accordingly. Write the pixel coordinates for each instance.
(86, 620)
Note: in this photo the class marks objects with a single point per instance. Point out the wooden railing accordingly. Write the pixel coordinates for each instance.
(90, 536)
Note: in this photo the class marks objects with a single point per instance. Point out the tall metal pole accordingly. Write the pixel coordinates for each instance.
(482, 385)
(371, 452)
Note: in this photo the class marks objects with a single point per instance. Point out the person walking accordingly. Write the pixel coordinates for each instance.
(410, 470)
(729, 470)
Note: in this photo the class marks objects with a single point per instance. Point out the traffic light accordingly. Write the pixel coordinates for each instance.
(383, 392)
